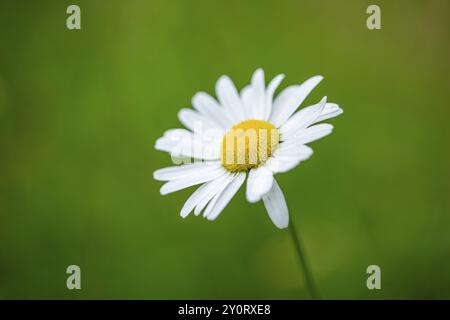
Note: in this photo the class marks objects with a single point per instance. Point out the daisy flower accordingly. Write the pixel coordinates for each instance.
(248, 135)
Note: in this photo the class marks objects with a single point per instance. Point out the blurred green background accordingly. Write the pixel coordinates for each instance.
(80, 112)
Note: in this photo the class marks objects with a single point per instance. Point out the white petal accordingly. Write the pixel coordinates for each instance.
(331, 110)
(172, 138)
(302, 119)
(205, 175)
(199, 194)
(258, 87)
(209, 107)
(178, 172)
(197, 150)
(291, 150)
(273, 85)
(312, 133)
(189, 118)
(220, 200)
(197, 122)
(289, 100)
(283, 164)
(183, 143)
(217, 186)
(276, 206)
(229, 98)
(259, 183)
(287, 157)
(248, 101)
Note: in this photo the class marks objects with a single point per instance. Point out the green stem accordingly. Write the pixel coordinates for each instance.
(304, 262)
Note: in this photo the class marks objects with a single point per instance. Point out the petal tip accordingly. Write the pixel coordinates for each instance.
(184, 214)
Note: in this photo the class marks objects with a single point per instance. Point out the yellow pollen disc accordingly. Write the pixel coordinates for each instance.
(248, 144)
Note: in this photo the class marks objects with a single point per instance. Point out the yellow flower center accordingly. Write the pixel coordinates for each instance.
(248, 144)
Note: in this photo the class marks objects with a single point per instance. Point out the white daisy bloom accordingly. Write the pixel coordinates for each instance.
(248, 134)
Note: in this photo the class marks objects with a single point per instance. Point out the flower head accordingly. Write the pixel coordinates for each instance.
(243, 135)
